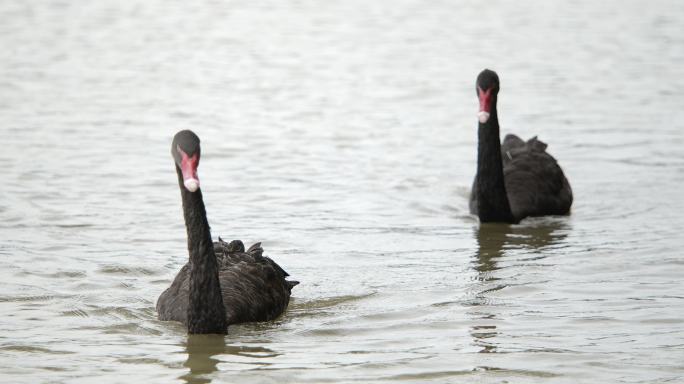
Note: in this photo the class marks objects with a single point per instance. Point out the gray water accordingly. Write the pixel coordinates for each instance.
(342, 134)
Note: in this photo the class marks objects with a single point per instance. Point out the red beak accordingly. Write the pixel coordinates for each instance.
(485, 104)
(189, 169)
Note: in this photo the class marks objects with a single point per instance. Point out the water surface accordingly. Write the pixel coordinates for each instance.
(342, 134)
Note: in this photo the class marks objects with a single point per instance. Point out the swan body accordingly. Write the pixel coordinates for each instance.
(222, 283)
(253, 286)
(516, 179)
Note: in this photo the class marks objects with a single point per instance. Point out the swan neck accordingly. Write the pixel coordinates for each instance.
(493, 204)
(206, 313)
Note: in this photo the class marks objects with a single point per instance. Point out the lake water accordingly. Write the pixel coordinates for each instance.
(342, 134)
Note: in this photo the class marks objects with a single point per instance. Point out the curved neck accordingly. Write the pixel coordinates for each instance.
(206, 313)
(493, 205)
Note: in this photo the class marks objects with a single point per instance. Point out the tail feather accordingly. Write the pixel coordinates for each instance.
(512, 141)
(236, 246)
(256, 250)
(536, 144)
(277, 267)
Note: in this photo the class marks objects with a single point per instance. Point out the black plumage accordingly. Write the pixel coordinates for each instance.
(222, 284)
(517, 179)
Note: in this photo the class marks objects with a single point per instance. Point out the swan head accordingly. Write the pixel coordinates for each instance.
(487, 86)
(185, 150)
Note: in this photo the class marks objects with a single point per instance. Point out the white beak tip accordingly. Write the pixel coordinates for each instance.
(483, 116)
(191, 184)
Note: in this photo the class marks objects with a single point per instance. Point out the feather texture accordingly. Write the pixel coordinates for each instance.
(253, 286)
(535, 183)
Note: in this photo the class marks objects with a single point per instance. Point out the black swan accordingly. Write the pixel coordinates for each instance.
(517, 179)
(222, 284)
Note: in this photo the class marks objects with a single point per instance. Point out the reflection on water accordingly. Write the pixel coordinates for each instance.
(493, 240)
(484, 336)
(204, 353)
(534, 235)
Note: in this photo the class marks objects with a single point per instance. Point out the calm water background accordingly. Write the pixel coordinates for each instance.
(342, 134)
